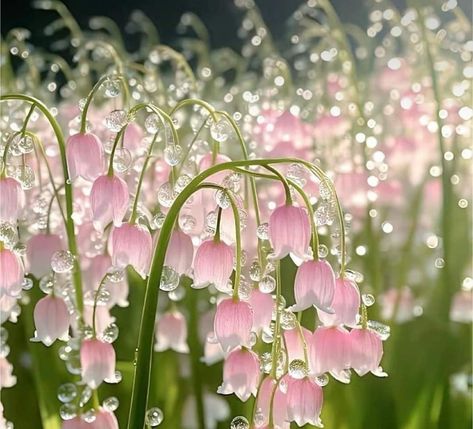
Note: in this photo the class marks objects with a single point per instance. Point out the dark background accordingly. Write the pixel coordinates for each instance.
(221, 17)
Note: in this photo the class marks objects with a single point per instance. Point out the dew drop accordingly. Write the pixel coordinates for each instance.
(368, 299)
(297, 369)
(154, 417)
(239, 422)
(62, 261)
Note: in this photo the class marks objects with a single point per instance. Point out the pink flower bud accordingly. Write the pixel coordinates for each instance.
(97, 360)
(180, 252)
(345, 304)
(264, 303)
(171, 333)
(131, 245)
(39, 250)
(240, 374)
(12, 198)
(289, 232)
(232, 324)
(304, 402)
(213, 263)
(84, 156)
(7, 379)
(366, 352)
(51, 319)
(109, 201)
(104, 420)
(314, 285)
(11, 273)
(329, 350)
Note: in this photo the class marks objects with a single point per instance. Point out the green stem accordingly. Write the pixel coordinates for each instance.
(96, 298)
(283, 180)
(70, 229)
(144, 350)
(114, 148)
(277, 327)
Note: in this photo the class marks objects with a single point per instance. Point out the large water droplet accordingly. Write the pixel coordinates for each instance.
(239, 422)
(154, 417)
(297, 369)
(169, 279)
(267, 284)
(67, 392)
(116, 120)
(62, 261)
(173, 154)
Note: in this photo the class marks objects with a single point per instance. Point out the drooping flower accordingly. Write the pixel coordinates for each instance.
(180, 252)
(12, 197)
(7, 379)
(11, 273)
(330, 351)
(171, 333)
(104, 419)
(131, 244)
(39, 250)
(51, 319)
(232, 324)
(289, 232)
(366, 352)
(304, 402)
(84, 156)
(213, 264)
(314, 285)
(216, 410)
(240, 374)
(97, 359)
(264, 303)
(270, 395)
(345, 304)
(295, 343)
(109, 200)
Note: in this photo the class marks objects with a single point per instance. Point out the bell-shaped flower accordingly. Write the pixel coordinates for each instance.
(216, 410)
(84, 153)
(314, 285)
(39, 250)
(180, 252)
(109, 201)
(51, 319)
(11, 273)
(213, 264)
(232, 324)
(103, 318)
(264, 303)
(304, 402)
(7, 379)
(97, 360)
(12, 197)
(295, 343)
(240, 374)
(270, 395)
(289, 232)
(345, 304)
(131, 244)
(213, 352)
(330, 351)
(104, 419)
(366, 352)
(171, 333)
(7, 305)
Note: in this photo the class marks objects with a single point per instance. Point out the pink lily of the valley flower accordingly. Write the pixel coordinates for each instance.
(131, 244)
(97, 359)
(39, 250)
(11, 273)
(345, 304)
(264, 303)
(213, 264)
(171, 333)
(240, 374)
(75, 423)
(273, 400)
(330, 351)
(51, 318)
(232, 324)
(7, 379)
(180, 252)
(84, 156)
(289, 232)
(366, 352)
(104, 419)
(304, 402)
(12, 197)
(109, 200)
(314, 285)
